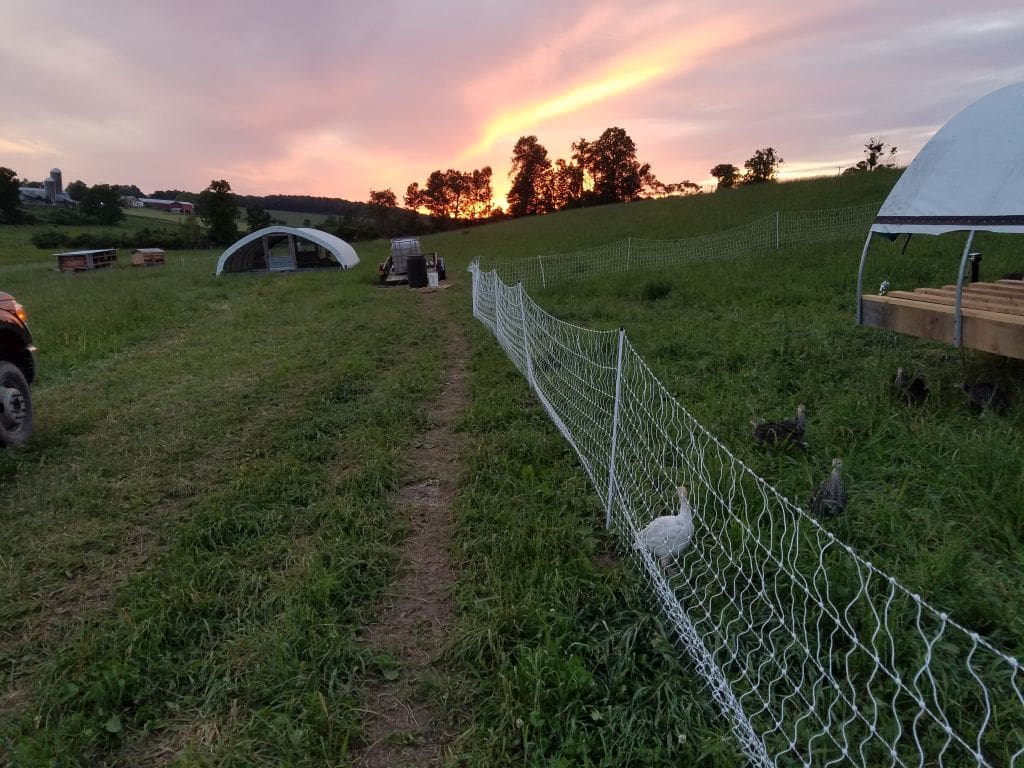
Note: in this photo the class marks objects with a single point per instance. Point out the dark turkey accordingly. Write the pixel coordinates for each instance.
(910, 387)
(778, 433)
(829, 499)
(983, 395)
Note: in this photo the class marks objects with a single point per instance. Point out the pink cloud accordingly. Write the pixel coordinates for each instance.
(337, 99)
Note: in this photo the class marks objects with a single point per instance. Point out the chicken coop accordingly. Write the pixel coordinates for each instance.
(79, 261)
(966, 179)
(147, 257)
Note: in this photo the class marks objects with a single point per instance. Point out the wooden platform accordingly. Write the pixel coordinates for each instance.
(992, 315)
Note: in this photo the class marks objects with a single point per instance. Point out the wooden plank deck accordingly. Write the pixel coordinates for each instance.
(992, 315)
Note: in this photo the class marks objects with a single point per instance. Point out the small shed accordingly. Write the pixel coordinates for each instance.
(77, 261)
(287, 249)
(968, 178)
(147, 257)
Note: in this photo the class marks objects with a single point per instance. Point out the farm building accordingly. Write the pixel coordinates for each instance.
(173, 206)
(77, 261)
(147, 257)
(966, 179)
(286, 249)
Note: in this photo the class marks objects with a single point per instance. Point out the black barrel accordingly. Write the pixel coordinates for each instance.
(416, 267)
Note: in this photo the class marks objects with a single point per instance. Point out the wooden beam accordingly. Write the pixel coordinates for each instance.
(973, 302)
(991, 288)
(994, 332)
(974, 295)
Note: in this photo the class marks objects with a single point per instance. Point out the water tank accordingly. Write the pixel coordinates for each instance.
(416, 266)
(58, 180)
(50, 189)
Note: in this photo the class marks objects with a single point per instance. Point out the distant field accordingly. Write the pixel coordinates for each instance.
(202, 525)
(293, 219)
(152, 214)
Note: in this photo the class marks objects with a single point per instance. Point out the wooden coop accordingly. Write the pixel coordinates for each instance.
(966, 179)
(78, 261)
(147, 257)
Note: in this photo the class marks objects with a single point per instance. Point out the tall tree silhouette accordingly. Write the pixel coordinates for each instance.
(763, 166)
(218, 209)
(531, 176)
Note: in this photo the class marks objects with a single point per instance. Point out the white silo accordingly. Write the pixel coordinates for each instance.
(50, 189)
(58, 180)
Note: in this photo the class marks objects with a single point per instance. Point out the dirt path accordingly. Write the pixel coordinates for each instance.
(404, 725)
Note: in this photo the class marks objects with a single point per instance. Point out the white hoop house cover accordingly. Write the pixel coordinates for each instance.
(249, 252)
(969, 176)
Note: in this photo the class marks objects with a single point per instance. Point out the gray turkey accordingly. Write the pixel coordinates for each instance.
(779, 433)
(910, 387)
(829, 499)
(983, 395)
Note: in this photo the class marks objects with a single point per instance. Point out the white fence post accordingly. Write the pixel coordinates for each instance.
(543, 281)
(776, 230)
(615, 430)
(526, 340)
(629, 250)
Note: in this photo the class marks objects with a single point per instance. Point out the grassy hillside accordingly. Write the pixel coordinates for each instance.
(202, 524)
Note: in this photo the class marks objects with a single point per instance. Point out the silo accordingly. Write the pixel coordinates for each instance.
(58, 180)
(50, 188)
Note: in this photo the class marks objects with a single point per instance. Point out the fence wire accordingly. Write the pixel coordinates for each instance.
(815, 656)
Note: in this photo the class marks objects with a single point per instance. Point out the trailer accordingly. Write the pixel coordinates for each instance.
(407, 263)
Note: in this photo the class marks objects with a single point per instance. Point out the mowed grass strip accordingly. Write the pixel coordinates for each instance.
(559, 655)
(249, 452)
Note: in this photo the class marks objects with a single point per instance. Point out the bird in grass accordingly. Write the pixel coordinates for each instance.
(666, 536)
(910, 387)
(983, 395)
(778, 433)
(829, 499)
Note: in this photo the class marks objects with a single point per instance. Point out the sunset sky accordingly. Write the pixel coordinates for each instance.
(338, 98)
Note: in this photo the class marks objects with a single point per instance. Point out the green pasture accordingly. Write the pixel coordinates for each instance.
(202, 524)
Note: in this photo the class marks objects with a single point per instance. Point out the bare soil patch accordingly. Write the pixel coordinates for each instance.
(404, 726)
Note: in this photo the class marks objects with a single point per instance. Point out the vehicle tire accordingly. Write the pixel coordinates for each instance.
(15, 405)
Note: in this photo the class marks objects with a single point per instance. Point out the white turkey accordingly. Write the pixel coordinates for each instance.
(666, 536)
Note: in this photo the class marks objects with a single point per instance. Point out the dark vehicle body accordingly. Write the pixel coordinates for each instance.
(17, 372)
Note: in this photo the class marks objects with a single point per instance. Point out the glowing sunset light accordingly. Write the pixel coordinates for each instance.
(657, 56)
(509, 126)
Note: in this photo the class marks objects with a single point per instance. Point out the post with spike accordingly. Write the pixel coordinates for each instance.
(629, 251)
(776, 230)
(526, 338)
(543, 280)
(615, 430)
(958, 323)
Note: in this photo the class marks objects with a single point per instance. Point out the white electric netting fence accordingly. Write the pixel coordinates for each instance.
(815, 656)
(771, 233)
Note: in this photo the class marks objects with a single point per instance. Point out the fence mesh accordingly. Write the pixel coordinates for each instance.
(815, 656)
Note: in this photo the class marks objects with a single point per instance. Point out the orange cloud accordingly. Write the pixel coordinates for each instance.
(20, 147)
(655, 56)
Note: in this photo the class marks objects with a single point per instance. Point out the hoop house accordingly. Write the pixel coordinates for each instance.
(969, 178)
